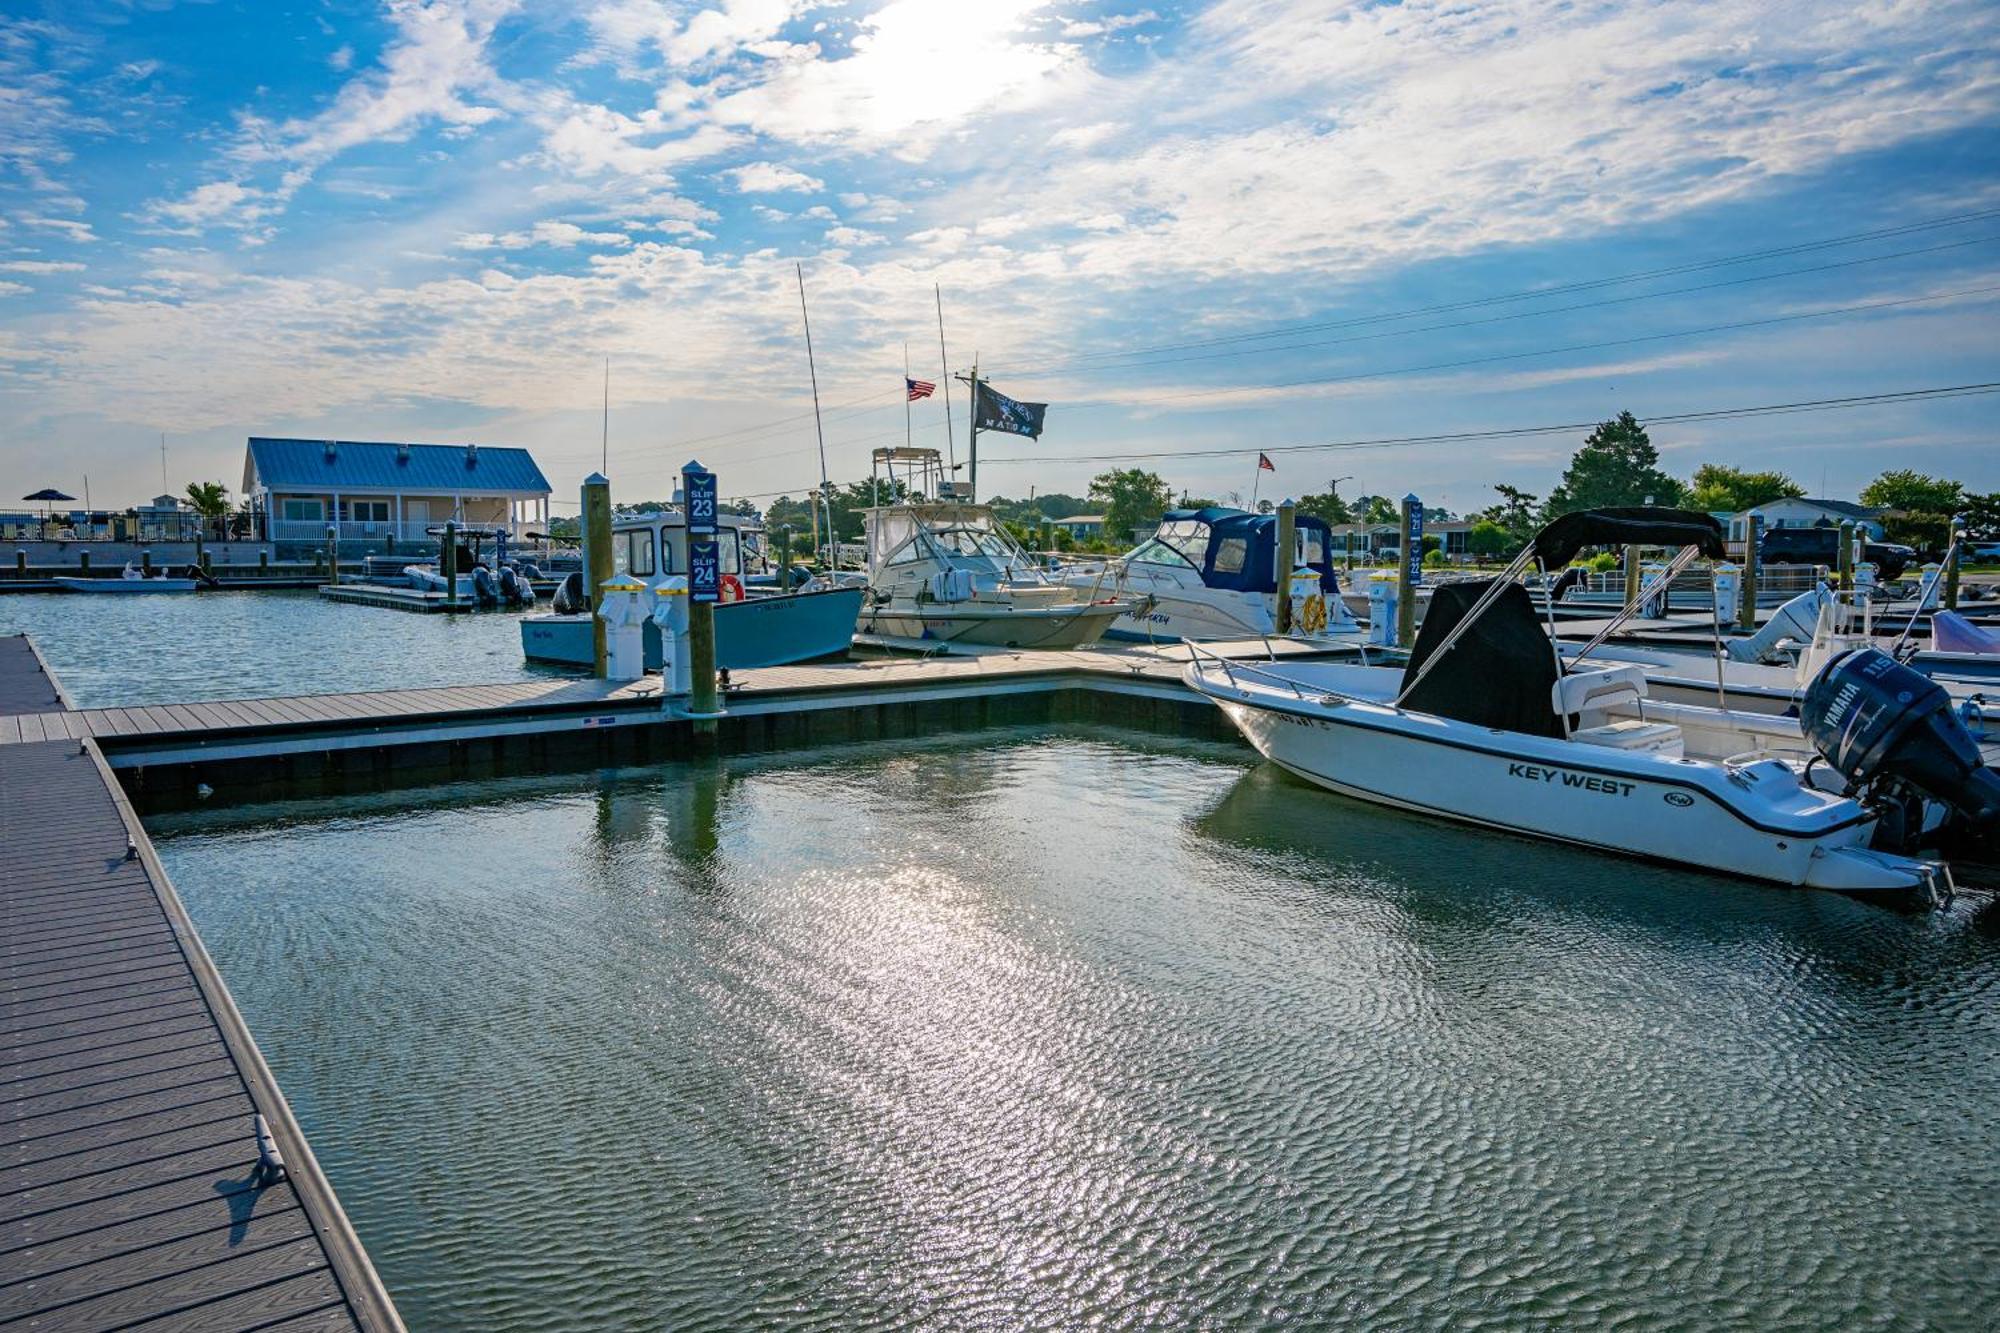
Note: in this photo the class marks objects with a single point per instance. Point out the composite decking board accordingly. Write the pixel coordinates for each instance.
(127, 1127)
(25, 686)
(62, 1291)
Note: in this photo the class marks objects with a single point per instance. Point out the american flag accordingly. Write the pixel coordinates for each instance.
(918, 388)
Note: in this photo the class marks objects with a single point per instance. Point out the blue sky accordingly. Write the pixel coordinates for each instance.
(435, 221)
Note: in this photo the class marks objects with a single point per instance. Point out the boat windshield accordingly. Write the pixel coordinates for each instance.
(1157, 552)
(1186, 537)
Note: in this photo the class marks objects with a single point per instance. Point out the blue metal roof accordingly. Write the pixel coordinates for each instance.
(331, 464)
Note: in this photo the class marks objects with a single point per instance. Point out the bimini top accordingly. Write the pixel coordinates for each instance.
(1234, 549)
(1635, 525)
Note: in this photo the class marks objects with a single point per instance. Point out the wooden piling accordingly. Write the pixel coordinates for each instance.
(1753, 537)
(596, 558)
(1285, 558)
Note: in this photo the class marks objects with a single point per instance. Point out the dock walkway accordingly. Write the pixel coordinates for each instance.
(133, 1187)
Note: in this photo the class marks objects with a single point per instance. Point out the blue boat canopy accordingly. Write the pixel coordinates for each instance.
(1237, 550)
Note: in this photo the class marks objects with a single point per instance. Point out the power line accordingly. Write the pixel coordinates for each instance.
(1528, 294)
(1559, 428)
(1551, 351)
(1557, 310)
(1850, 403)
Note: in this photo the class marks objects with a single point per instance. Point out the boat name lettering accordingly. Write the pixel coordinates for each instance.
(1582, 781)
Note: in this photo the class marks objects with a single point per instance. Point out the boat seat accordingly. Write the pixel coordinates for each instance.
(1594, 691)
(1634, 736)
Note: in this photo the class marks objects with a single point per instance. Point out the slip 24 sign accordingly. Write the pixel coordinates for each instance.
(704, 550)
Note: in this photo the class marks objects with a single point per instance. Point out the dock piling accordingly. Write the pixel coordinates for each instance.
(1846, 566)
(1286, 556)
(596, 558)
(448, 566)
(1954, 540)
(1409, 571)
(1753, 538)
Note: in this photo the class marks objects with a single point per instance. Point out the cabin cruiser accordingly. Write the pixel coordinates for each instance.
(1213, 573)
(754, 626)
(944, 574)
(1867, 791)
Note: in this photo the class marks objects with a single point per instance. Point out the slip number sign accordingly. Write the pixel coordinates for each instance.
(704, 550)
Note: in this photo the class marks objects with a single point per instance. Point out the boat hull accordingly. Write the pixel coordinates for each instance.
(1649, 806)
(127, 587)
(760, 632)
(971, 627)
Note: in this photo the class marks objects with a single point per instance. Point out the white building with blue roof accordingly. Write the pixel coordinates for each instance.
(372, 492)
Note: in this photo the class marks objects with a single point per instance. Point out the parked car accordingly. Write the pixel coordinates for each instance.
(1821, 546)
(1982, 553)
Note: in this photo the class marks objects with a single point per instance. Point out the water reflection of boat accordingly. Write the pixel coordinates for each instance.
(1213, 574)
(1489, 726)
(753, 627)
(946, 575)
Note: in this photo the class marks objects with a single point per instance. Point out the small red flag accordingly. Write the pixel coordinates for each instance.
(1264, 463)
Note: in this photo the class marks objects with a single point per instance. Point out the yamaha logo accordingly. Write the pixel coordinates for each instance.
(1679, 798)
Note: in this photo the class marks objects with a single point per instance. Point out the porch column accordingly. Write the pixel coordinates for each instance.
(400, 534)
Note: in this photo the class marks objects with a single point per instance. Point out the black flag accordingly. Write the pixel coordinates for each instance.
(996, 411)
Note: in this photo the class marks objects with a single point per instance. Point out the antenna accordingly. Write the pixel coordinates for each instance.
(825, 487)
(163, 463)
(944, 378)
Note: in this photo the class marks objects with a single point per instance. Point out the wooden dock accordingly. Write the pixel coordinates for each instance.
(150, 1171)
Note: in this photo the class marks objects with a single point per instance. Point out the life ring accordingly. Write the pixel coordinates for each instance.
(731, 589)
(1312, 614)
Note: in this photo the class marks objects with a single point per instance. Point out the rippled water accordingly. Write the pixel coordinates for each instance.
(1066, 1030)
(110, 651)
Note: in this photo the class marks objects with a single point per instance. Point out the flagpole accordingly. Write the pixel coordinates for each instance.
(1256, 482)
(825, 487)
(604, 440)
(972, 431)
(944, 379)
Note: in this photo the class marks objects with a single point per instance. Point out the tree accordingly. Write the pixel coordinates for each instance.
(1515, 515)
(1617, 465)
(210, 500)
(1327, 505)
(1913, 493)
(1375, 509)
(1488, 538)
(1132, 498)
(1982, 516)
(1719, 489)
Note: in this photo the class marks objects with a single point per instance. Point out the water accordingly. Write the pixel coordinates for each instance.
(1066, 1030)
(112, 651)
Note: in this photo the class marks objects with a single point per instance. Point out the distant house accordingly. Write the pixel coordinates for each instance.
(1798, 512)
(373, 490)
(1081, 527)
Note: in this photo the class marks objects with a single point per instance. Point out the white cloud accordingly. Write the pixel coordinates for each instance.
(560, 235)
(342, 57)
(40, 266)
(1109, 23)
(771, 178)
(14, 288)
(852, 237)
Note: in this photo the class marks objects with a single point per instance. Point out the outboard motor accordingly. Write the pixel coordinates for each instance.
(1797, 619)
(483, 589)
(1885, 728)
(529, 569)
(568, 600)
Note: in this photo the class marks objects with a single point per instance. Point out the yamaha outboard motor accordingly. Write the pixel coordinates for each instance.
(483, 590)
(568, 600)
(528, 569)
(514, 589)
(1886, 727)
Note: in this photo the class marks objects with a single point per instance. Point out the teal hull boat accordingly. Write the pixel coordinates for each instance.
(760, 632)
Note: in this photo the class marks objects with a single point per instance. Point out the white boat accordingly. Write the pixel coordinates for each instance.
(754, 626)
(131, 580)
(1488, 725)
(1213, 573)
(947, 575)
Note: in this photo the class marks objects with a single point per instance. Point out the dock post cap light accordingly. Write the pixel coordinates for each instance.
(597, 479)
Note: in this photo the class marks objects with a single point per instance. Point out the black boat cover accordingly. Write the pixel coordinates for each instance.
(1500, 673)
(1637, 525)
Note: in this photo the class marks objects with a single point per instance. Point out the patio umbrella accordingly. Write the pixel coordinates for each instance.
(48, 496)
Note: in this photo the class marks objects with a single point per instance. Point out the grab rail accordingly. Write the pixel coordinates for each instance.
(1229, 668)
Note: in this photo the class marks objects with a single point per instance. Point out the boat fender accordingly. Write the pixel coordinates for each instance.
(731, 589)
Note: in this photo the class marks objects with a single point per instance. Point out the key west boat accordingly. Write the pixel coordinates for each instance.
(754, 626)
(1212, 573)
(1489, 724)
(130, 580)
(945, 574)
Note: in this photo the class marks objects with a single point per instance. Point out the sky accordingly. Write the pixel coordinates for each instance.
(1192, 228)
